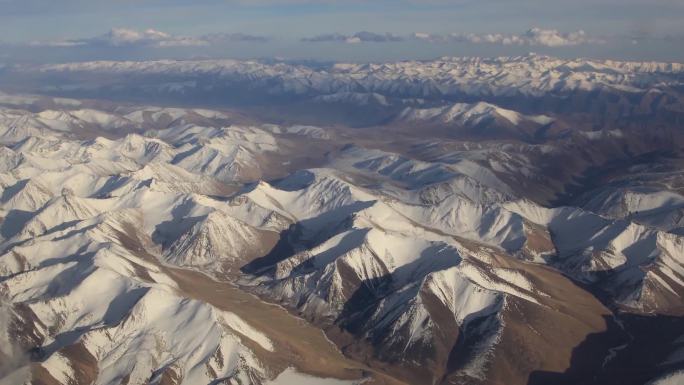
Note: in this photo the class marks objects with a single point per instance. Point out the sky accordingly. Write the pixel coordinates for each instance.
(338, 30)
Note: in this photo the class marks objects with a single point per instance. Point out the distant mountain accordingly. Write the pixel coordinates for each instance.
(598, 92)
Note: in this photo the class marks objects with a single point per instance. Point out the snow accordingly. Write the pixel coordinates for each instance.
(504, 76)
(291, 377)
(354, 98)
(236, 323)
(427, 180)
(213, 241)
(470, 115)
(514, 278)
(482, 279)
(183, 332)
(675, 378)
(59, 368)
(308, 131)
(104, 120)
(460, 294)
(306, 194)
(660, 209)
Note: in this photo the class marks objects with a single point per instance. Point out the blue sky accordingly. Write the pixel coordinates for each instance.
(621, 29)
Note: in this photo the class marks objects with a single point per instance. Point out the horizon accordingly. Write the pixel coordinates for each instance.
(329, 61)
(45, 31)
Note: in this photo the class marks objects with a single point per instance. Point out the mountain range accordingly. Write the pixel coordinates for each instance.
(515, 220)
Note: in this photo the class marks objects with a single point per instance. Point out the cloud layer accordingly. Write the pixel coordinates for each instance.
(124, 37)
(532, 37)
(359, 37)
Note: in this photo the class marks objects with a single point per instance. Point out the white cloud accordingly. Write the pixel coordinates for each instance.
(124, 37)
(359, 37)
(217, 38)
(533, 37)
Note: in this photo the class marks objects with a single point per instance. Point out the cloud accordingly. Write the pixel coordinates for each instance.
(359, 37)
(124, 37)
(533, 37)
(217, 38)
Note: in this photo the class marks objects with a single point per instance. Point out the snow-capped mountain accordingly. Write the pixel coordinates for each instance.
(473, 75)
(172, 245)
(591, 91)
(480, 119)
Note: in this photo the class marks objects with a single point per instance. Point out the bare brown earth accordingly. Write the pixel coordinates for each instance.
(536, 337)
(296, 342)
